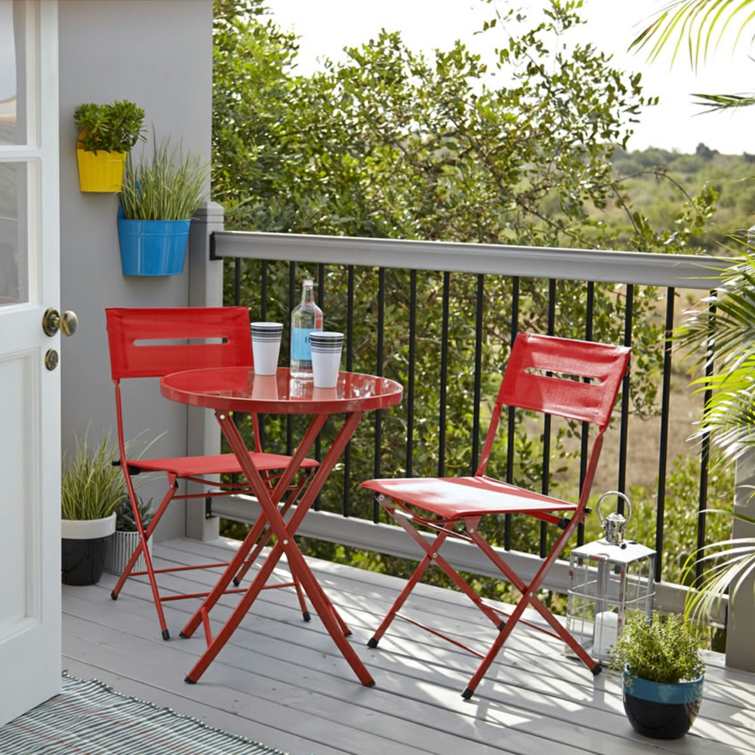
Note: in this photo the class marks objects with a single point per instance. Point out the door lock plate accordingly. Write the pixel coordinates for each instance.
(51, 359)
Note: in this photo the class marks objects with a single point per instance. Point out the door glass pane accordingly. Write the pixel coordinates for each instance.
(14, 259)
(13, 63)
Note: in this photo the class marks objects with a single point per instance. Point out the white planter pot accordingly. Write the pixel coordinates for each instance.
(87, 529)
(119, 550)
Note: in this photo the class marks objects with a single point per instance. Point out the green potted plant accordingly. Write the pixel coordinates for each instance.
(106, 134)
(126, 538)
(92, 490)
(159, 196)
(663, 675)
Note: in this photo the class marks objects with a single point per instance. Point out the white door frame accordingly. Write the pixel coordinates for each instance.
(30, 607)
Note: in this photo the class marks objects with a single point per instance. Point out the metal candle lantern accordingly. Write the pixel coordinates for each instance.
(610, 579)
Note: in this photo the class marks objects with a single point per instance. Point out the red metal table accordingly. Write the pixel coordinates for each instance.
(237, 389)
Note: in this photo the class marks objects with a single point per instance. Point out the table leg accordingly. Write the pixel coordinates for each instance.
(286, 544)
(254, 533)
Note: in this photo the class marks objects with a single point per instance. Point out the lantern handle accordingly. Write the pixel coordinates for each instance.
(618, 494)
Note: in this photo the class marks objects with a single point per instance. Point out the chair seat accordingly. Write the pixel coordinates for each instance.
(190, 466)
(459, 497)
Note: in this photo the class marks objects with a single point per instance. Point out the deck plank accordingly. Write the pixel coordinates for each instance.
(239, 692)
(530, 649)
(429, 598)
(279, 674)
(180, 703)
(443, 684)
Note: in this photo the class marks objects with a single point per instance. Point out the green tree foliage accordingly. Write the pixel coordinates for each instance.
(658, 180)
(393, 143)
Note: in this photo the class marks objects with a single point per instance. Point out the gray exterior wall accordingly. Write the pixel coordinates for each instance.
(159, 54)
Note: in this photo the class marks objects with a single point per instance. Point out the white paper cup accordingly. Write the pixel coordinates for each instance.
(326, 357)
(266, 345)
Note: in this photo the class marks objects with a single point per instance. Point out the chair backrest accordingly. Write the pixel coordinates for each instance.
(562, 376)
(212, 337)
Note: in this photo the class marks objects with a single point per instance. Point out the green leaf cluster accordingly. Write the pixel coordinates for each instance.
(125, 521)
(114, 127)
(168, 185)
(92, 487)
(664, 651)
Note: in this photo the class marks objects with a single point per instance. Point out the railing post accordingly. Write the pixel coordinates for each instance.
(740, 643)
(205, 290)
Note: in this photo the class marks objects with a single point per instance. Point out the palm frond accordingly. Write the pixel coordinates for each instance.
(724, 327)
(714, 102)
(719, 336)
(701, 23)
(729, 413)
(729, 563)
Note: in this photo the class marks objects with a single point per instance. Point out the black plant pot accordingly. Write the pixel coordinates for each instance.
(661, 711)
(84, 545)
(83, 561)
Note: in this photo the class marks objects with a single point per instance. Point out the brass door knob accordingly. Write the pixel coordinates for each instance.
(52, 322)
(69, 323)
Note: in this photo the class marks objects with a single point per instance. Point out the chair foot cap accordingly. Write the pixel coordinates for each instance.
(166, 634)
(596, 669)
(467, 693)
(372, 643)
(114, 595)
(189, 680)
(305, 615)
(236, 582)
(183, 635)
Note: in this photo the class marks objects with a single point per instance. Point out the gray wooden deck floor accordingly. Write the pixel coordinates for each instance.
(281, 682)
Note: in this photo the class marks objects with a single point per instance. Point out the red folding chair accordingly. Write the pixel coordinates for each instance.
(577, 380)
(206, 337)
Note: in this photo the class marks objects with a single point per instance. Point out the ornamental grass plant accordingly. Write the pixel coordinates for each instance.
(168, 186)
(664, 651)
(92, 487)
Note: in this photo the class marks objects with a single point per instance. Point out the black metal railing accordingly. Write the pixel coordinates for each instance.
(274, 255)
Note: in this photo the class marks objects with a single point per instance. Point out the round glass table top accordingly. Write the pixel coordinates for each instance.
(240, 389)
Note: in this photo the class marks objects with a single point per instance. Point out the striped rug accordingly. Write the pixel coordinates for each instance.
(89, 718)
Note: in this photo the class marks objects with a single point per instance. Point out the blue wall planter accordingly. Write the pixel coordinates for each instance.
(153, 247)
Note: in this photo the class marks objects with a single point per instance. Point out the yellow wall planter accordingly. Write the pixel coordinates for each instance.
(100, 171)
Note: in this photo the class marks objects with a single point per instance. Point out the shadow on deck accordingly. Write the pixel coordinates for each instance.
(281, 681)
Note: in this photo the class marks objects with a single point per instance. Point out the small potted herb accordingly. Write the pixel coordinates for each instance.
(159, 196)
(92, 490)
(663, 675)
(106, 134)
(126, 538)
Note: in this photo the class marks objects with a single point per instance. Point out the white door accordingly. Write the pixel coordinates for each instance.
(29, 392)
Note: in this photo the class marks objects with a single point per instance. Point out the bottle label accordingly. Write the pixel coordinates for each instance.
(301, 349)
